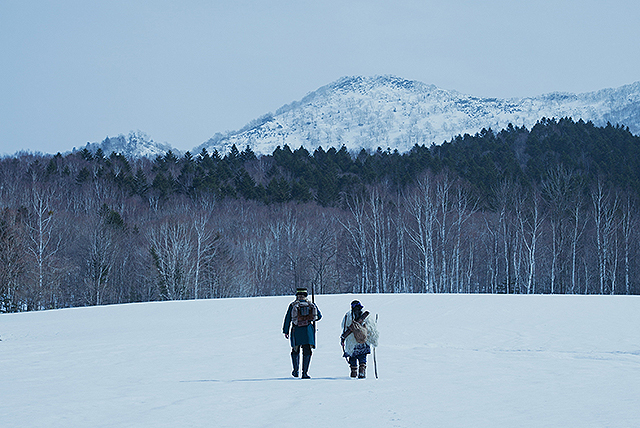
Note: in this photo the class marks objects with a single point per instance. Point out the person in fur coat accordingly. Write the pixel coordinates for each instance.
(354, 352)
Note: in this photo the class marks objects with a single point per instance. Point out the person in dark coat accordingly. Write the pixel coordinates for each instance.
(300, 330)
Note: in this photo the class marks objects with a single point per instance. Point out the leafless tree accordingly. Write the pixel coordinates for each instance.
(401, 284)
(558, 191)
(381, 236)
(530, 219)
(629, 225)
(422, 210)
(172, 254)
(605, 205)
(323, 251)
(506, 196)
(464, 207)
(12, 263)
(206, 243)
(578, 221)
(355, 227)
(443, 191)
(100, 263)
(43, 243)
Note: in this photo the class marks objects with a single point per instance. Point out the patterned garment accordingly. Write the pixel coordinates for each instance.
(360, 349)
(351, 347)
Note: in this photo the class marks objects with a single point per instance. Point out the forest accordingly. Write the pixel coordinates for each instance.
(552, 209)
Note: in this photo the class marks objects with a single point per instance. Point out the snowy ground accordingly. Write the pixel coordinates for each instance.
(443, 361)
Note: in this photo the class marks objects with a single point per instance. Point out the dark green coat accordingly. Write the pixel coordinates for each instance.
(300, 335)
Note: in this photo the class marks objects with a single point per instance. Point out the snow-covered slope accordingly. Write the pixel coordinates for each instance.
(135, 145)
(390, 112)
(443, 360)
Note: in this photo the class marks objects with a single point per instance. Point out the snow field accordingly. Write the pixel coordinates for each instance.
(444, 361)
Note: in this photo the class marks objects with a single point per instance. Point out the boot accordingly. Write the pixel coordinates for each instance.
(354, 371)
(362, 371)
(295, 361)
(306, 359)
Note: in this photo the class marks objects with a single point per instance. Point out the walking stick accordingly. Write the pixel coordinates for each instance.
(375, 363)
(313, 300)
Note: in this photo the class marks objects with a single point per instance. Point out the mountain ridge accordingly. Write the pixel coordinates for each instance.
(391, 112)
(136, 144)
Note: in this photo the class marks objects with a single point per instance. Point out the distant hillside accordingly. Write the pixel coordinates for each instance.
(135, 145)
(390, 112)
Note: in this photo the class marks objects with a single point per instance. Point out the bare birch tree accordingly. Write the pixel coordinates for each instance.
(464, 207)
(43, 243)
(604, 207)
(401, 285)
(323, 252)
(505, 195)
(443, 189)
(355, 227)
(382, 237)
(578, 224)
(629, 224)
(422, 210)
(172, 255)
(100, 262)
(206, 245)
(375, 221)
(530, 219)
(558, 190)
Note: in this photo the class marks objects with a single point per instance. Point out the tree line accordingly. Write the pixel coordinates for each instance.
(547, 210)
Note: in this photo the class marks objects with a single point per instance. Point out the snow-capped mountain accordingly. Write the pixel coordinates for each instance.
(135, 145)
(390, 112)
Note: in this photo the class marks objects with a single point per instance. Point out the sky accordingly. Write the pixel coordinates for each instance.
(76, 71)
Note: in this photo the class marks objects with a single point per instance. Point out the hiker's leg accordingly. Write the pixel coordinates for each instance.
(362, 371)
(295, 360)
(353, 364)
(306, 360)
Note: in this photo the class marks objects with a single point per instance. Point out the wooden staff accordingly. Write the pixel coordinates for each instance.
(375, 363)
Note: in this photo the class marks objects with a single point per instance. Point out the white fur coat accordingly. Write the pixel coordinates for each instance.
(372, 332)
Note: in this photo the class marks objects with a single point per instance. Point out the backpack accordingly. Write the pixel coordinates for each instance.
(303, 313)
(357, 327)
(359, 331)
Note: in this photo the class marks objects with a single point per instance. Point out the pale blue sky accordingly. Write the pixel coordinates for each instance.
(74, 71)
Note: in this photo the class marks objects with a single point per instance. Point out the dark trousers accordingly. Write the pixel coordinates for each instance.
(362, 359)
(306, 359)
(306, 350)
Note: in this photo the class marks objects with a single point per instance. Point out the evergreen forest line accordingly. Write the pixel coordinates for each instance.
(547, 210)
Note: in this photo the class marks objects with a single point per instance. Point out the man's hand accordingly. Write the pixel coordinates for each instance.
(286, 335)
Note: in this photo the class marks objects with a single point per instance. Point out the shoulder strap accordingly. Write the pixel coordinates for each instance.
(360, 320)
